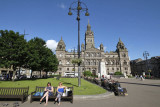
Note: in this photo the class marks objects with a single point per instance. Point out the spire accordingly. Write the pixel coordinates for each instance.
(120, 39)
(61, 45)
(88, 26)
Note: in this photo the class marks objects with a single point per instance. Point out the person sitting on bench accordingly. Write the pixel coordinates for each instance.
(47, 92)
(60, 91)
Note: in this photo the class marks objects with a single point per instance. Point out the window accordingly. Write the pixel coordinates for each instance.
(60, 62)
(87, 54)
(117, 68)
(68, 62)
(125, 63)
(60, 69)
(113, 62)
(112, 68)
(126, 68)
(106, 63)
(92, 54)
(67, 69)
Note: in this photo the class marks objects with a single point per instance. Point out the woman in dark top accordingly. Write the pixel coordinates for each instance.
(48, 92)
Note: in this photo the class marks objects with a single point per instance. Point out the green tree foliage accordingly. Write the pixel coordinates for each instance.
(12, 50)
(76, 61)
(87, 73)
(118, 73)
(16, 52)
(40, 57)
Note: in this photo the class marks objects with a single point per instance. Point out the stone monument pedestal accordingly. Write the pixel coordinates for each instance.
(102, 70)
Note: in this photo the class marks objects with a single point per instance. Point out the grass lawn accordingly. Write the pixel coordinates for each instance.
(86, 87)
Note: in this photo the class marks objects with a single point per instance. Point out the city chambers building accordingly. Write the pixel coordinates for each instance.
(117, 60)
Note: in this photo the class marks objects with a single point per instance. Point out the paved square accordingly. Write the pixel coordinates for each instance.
(141, 94)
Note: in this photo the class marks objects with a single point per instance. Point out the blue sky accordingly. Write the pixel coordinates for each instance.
(136, 22)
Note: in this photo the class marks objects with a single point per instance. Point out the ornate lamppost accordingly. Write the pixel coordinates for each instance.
(78, 9)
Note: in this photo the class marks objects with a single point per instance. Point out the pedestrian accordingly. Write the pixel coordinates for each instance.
(141, 77)
(60, 91)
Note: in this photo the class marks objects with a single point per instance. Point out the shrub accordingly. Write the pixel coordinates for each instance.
(52, 76)
(87, 73)
(118, 73)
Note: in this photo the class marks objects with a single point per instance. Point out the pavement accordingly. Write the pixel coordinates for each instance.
(140, 94)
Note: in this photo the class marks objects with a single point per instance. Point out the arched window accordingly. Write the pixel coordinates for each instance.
(60, 62)
(68, 62)
(125, 63)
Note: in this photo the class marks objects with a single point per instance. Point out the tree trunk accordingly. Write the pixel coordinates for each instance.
(13, 76)
(31, 73)
(40, 74)
(19, 72)
(46, 73)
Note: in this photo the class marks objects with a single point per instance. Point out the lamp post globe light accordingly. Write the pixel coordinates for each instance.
(78, 9)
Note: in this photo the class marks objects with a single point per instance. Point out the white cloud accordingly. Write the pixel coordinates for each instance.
(62, 5)
(52, 44)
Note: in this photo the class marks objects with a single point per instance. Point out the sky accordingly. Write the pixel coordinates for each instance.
(136, 22)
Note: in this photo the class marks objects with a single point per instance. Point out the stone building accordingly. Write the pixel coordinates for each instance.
(139, 66)
(117, 60)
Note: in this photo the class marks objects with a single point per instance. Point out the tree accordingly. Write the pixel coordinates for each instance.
(40, 57)
(12, 50)
(51, 62)
(87, 73)
(35, 51)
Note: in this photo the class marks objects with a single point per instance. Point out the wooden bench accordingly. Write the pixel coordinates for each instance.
(41, 89)
(14, 93)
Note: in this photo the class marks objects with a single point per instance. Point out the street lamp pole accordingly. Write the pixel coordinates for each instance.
(145, 55)
(78, 9)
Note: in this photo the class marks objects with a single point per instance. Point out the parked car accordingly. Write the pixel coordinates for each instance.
(1, 77)
(23, 77)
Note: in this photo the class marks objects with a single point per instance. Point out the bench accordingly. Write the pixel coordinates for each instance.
(41, 89)
(14, 93)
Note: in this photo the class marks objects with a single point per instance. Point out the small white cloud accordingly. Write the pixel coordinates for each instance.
(62, 5)
(52, 44)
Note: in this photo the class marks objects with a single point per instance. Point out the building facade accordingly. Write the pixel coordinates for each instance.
(140, 67)
(91, 57)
